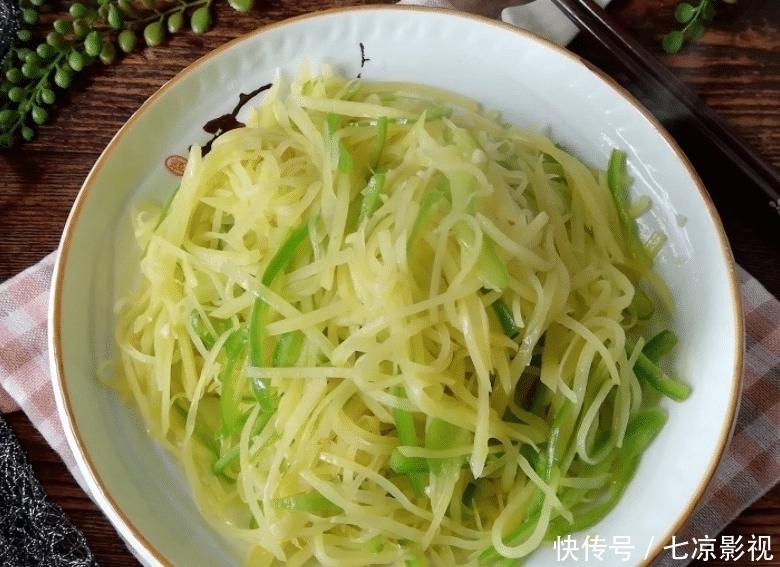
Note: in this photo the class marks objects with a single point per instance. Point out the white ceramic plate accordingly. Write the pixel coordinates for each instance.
(531, 82)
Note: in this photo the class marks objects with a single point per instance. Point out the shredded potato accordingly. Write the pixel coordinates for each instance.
(379, 326)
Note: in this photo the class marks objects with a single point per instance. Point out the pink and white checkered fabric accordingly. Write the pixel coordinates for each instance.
(25, 380)
(749, 468)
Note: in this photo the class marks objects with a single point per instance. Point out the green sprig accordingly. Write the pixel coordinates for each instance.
(692, 19)
(40, 65)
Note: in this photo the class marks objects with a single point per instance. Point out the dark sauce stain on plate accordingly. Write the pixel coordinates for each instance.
(363, 58)
(218, 126)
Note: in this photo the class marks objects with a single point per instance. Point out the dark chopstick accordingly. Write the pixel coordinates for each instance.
(675, 97)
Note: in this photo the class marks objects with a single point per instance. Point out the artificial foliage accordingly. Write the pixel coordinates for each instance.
(692, 20)
(41, 63)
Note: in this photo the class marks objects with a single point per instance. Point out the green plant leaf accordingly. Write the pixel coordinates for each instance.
(48, 96)
(81, 28)
(175, 22)
(200, 21)
(127, 40)
(63, 77)
(30, 16)
(45, 51)
(684, 12)
(108, 53)
(39, 115)
(78, 10)
(63, 26)
(126, 7)
(55, 40)
(707, 10)
(154, 33)
(695, 30)
(115, 17)
(14, 75)
(673, 42)
(76, 60)
(6, 116)
(93, 43)
(241, 5)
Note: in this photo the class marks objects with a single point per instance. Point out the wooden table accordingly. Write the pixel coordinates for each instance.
(735, 68)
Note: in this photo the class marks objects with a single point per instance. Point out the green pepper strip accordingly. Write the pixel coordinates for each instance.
(641, 305)
(166, 207)
(491, 269)
(306, 502)
(618, 182)
(232, 454)
(407, 435)
(402, 464)
(201, 432)
(641, 430)
(416, 562)
(279, 261)
(462, 183)
(381, 140)
(647, 371)
(371, 195)
(206, 337)
(377, 543)
(345, 161)
(553, 445)
(440, 434)
(469, 493)
(235, 348)
(285, 253)
(545, 464)
(506, 318)
(260, 386)
(437, 111)
(286, 354)
(660, 345)
(425, 212)
(353, 91)
(288, 349)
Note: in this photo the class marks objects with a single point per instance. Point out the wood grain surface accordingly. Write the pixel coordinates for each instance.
(735, 68)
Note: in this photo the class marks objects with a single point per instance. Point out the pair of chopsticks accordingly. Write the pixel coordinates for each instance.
(664, 85)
